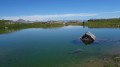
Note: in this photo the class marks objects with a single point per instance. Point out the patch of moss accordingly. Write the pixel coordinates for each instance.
(117, 59)
(110, 65)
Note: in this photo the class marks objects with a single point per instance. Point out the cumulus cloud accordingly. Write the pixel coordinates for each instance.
(46, 17)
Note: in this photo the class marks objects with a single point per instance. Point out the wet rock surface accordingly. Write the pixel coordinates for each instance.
(88, 38)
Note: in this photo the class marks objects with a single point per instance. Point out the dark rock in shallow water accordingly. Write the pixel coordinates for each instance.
(87, 42)
(88, 38)
(76, 51)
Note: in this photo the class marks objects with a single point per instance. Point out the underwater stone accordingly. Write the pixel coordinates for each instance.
(88, 38)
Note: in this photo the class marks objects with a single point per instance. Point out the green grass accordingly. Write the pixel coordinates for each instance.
(103, 23)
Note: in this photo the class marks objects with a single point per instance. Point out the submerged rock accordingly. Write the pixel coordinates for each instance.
(88, 38)
(76, 51)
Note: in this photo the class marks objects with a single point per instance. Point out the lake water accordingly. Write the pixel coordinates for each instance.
(56, 47)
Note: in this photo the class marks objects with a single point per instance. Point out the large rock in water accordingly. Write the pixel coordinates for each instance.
(88, 38)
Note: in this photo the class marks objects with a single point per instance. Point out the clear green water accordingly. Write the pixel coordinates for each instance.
(54, 47)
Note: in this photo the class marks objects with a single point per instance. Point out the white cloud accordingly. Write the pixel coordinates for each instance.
(46, 17)
(111, 12)
(59, 16)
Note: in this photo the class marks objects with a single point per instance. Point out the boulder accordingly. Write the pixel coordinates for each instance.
(88, 38)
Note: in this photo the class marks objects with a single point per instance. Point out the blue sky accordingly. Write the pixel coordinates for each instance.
(59, 9)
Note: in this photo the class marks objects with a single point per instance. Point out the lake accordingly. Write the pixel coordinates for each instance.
(56, 47)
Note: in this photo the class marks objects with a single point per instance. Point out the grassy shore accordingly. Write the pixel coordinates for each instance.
(92, 23)
(7, 26)
(28, 25)
(103, 23)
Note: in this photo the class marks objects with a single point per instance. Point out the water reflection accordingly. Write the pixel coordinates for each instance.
(5, 31)
(87, 42)
(97, 41)
(10, 30)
